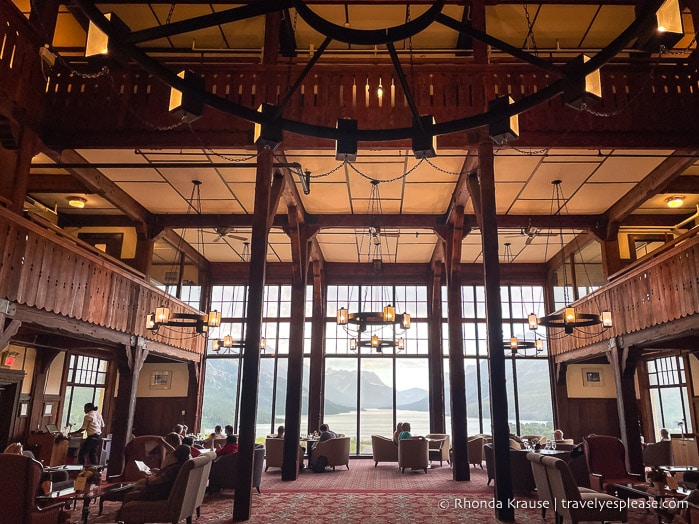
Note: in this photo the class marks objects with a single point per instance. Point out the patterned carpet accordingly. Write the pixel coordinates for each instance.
(371, 495)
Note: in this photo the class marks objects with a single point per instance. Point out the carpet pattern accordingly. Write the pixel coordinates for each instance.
(359, 495)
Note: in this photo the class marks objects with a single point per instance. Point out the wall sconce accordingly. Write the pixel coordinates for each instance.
(507, 128)
(183, 105)
(76, 202)
(583, 90)
(424, 142)
(97, 40)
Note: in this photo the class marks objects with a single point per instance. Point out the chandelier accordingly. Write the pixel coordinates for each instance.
(520, 347)
(568, 318)
(377, 344)
(374, 242)
(228, 345)
(162, 315)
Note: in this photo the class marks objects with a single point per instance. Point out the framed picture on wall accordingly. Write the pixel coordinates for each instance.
(592, 377)
(23, 410)
(48, 409)
(161, 380)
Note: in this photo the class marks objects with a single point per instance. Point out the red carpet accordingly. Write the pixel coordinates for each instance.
(371, 495)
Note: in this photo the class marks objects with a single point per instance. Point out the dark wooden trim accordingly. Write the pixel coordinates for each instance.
(316, 382)
(435, 356)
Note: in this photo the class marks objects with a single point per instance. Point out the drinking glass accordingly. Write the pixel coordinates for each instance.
(553, 444)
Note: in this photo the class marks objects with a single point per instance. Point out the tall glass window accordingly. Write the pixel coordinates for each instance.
(668, 394)
(87, 377)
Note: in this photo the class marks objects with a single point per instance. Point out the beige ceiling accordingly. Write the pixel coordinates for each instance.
(592, 180)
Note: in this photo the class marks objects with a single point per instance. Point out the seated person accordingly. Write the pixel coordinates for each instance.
(158, 486)
(189, 441)
(171, 442)
(396, 433)
(406, 431)
(230, 447)
(280, 432)
(558, 435)
(217, 434)
(325, 433)
(664, 434)
(516, 438)
(15, 448)
(228, 429)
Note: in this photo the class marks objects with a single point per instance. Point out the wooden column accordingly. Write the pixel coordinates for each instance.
(435, 360)
(480, 49)
(560, 396)
(316, 382)
(251, 357)
(645, 405)
(130, 363)
(457, 377)
(611, 259)
(194, 371)
(143, 260)
(44, 358)
(294, 377)
(496, 349)
(14, 167)
(270, 53)
(623, 361)
(43, 16)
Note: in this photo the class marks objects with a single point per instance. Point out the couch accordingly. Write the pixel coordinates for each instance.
(183, 499)
(383, 449)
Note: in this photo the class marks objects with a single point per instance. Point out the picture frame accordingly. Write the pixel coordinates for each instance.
(161, 379)
(48, 409)
(23, 409)
(592, 377)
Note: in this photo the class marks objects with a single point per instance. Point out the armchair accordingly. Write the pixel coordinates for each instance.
(439, 446)
(556, 485)
(383, 449)
(474, 449)
(413, 453)
(224, 470)
(606, 462)
(19, 487)
(274, 452)
(658, 454)
(146, 448)
(520, 470)
(336, 450)
(182, 501)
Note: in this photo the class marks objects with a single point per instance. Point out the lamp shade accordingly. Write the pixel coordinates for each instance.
(162, 315)
(666, 30)
(505, 129)
(185, 105)
(98, 43)
(582, 90)
(214, 318)
(389, 313)
(342, 316)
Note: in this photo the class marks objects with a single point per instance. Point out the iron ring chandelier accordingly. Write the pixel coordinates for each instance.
(126, 43)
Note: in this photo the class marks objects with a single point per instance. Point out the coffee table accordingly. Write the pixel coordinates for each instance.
(87, 496)
(646, 491)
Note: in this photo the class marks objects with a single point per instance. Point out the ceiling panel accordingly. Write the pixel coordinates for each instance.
(514, 167)
(626, 169)
(596, 198)
(419, 253)
(607, 24)
(156, 197)
(562, 26)
(327, 198)
(427, 198)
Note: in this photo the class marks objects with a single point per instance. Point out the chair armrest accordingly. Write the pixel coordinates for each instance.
(597, 482)
(51, 507)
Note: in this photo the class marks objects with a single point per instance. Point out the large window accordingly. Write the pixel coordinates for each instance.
(87, 377)
(668, 394)
(221, 404)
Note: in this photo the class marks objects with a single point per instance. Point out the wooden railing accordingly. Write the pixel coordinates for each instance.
(659, 289)
(22, 85)
(41, 269)
(137, 103)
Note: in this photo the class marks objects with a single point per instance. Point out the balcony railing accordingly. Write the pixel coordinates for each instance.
(658, 289)
(48, 271)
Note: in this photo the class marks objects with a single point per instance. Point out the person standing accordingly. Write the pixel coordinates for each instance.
(93, 423)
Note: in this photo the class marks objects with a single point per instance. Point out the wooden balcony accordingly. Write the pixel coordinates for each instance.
(52, 272)
(660, 288)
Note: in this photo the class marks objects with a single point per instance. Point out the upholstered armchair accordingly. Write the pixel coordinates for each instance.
(555, 484)
(439, 446)
(274, 451)
(658, 454)
(183, 499)
(336, 450)
(606, 462)
(474, 449)
(19, 486)
(520, 470)
(224, 470)
(146, 448)
(383, 449)
(413, 453)
(532, 438)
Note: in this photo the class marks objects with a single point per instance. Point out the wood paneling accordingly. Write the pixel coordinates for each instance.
(589, 415)
(158, 415)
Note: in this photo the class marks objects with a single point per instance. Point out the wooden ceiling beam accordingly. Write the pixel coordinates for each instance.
(655, 182)
(177, 242)
(101, 185)
(391, 2)
(55, 184)
(684, 185)
(462, 190)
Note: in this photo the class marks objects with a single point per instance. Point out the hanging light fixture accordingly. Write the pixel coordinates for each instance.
(377, 344)
(520, 347)
(162, 315)
(226, 344)
(568, 318)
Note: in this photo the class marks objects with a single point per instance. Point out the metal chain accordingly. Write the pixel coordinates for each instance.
(169, 15)
(399, 177)
(441, 170)
(327, 173)
(530, 30)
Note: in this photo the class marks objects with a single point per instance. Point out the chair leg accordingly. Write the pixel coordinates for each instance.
(258, 490)
(402, 470)
(198, 512)
(189, 520)
(266, 467)
(348, 466)
(425, 471)
(376, 464)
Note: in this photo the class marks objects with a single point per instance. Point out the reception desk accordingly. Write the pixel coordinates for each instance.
(49, 449)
